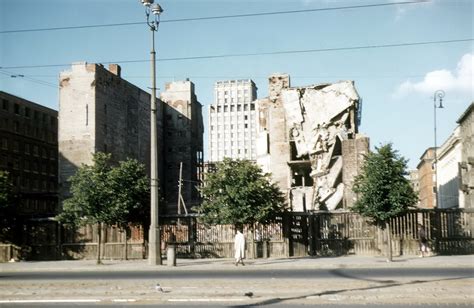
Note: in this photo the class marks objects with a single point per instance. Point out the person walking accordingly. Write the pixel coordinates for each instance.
(423, 241)
(239, 247)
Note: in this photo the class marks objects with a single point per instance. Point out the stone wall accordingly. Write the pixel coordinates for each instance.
(353, 155)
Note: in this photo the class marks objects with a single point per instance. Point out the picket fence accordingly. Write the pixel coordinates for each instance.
(293, 235)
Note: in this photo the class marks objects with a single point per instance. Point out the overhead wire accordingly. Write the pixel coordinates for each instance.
(219, 17)
(34, 80)
(283, 52)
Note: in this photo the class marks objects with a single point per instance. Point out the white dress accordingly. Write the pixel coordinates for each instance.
(239, 246)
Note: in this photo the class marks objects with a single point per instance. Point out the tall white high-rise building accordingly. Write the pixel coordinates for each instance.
(232, 122)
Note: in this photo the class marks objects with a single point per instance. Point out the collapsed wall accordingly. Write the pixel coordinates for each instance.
(314, 124)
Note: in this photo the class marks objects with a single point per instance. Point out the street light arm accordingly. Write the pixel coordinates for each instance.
(156, 11)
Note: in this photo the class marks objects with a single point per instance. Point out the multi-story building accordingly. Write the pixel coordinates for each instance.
(466, 124)
(29, 152)
(183, 147)
(427, 189)
(448, 158)
(100, 112)
(415, 183)
(232, 122)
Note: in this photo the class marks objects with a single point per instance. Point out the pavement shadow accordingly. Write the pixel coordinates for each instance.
(278, 300)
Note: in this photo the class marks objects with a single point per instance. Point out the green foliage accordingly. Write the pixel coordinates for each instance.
(239, 193)
(6, 191)
(131, 192)
(383, 188)
(8, 209)
(105, 194)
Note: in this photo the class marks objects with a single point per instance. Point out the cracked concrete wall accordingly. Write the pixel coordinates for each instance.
(303, 129)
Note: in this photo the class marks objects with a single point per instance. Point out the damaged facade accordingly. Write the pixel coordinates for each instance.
(308, 140)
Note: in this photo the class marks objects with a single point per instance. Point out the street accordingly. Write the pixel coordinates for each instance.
(280, 283)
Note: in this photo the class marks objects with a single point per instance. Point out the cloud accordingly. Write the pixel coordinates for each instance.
(402, 9)
(460, 81)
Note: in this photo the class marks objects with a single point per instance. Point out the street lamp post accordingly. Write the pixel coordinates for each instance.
(154, 238)
(438, 95)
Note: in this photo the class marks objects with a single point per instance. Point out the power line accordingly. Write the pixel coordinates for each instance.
(37, 81)
(218, 17)
(362, 47)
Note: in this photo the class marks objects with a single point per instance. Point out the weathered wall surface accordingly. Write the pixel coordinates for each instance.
(183, 131)
(273, 143)
(303, 130)
(466, 122)
(99, 111)
(353, 152)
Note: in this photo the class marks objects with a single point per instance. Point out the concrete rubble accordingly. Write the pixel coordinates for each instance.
(318, 119)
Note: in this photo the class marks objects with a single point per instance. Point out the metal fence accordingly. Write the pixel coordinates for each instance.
(295, 234)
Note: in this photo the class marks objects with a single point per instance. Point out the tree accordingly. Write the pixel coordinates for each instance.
(102, 194)
(239, 193)
(7, 207)
(6, 190)
(383, 189)
(131, 201)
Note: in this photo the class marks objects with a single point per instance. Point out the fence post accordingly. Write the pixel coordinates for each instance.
(192, 235)
(286, 233)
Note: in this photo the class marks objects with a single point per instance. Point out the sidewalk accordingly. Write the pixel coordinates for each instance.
(253, 264)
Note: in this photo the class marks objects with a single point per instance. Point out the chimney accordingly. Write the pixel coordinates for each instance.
(115, 69)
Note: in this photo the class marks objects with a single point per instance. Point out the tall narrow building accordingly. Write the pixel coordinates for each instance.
(183, 151)
(232, 123)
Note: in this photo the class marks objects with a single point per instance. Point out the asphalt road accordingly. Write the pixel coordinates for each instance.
(308, 274)
(424, 287)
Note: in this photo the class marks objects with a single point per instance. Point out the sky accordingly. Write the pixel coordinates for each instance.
(397, 53)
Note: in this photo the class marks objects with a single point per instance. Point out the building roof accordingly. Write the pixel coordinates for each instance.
(466, 113)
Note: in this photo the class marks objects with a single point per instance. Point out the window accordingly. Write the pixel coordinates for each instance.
(17, 127)
(5, 104)
(252, 106)
(27, 112)
(5, 143)
(16, 109)
(27, 148)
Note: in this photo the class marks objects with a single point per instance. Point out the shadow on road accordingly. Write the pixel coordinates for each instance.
(387, 284)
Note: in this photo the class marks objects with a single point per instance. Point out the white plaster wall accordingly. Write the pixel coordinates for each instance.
(448, 173)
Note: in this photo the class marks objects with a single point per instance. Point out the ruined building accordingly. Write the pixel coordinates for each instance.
(308, 140)
(183, 147)
(232, 122)
(101, 112)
